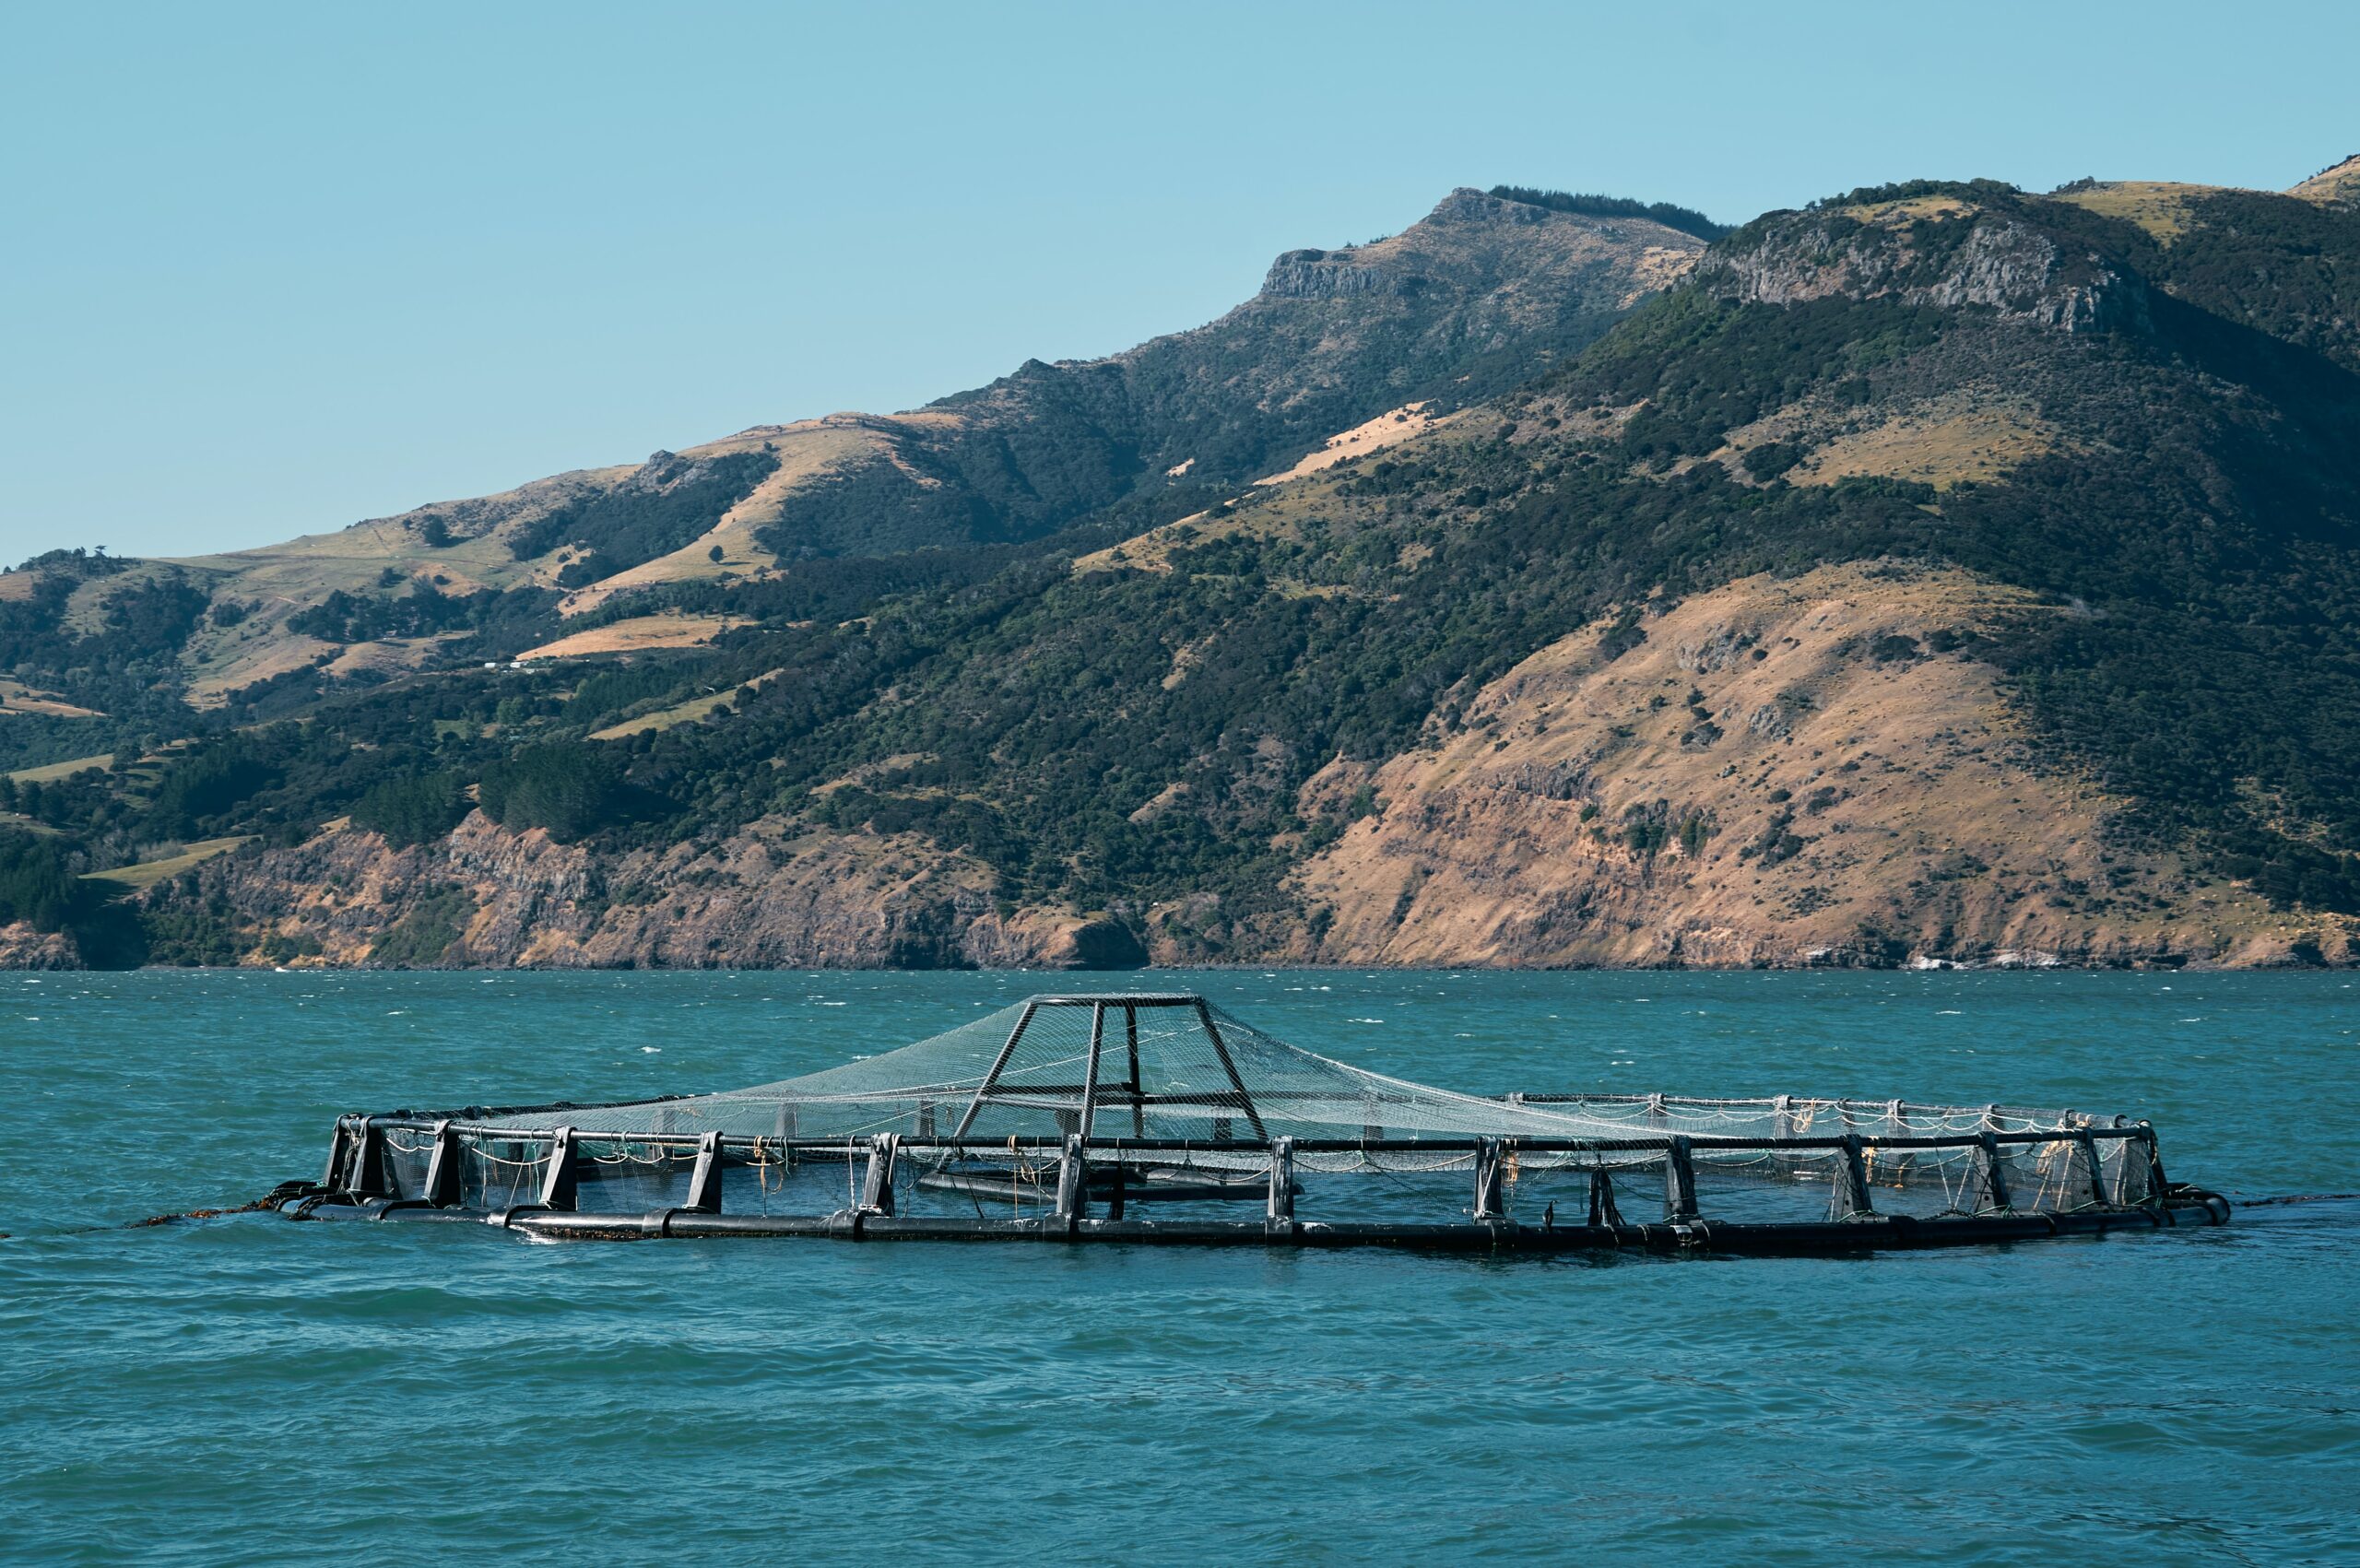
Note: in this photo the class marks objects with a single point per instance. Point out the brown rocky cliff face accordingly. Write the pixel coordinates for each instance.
(22, 947)
(489, 898)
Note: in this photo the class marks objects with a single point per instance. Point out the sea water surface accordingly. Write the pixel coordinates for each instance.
(246, 1389)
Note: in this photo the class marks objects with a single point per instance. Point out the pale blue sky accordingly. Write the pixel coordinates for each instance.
(266, 271)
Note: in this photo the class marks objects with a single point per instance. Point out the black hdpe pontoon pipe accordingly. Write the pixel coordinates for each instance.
(1881, 1232)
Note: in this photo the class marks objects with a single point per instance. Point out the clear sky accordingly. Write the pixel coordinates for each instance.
(267, 270)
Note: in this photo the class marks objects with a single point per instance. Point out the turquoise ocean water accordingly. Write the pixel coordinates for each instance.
(249, 1390)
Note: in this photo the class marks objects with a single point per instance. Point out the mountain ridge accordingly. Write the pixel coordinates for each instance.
(1942, 573)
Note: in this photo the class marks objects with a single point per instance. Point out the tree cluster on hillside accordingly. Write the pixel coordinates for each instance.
(1687, 219)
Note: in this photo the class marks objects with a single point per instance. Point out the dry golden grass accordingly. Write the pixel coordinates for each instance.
(1940, 444)
(1910, 210)
(690, 712)
(271, 652)
(1916, 801)
(2340, 184)
(18, 698)
(1389, 428)
(148, 873)
(50, 772)
(809, 450)
(638, 633)
(2160, 206)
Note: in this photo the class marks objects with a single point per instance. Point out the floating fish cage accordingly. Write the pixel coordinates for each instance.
(1155, 1117)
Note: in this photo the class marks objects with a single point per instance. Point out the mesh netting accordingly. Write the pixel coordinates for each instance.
(1133, 1104)
(1140, 1066)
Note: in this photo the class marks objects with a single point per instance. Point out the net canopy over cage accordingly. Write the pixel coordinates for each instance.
(1136, 1064)
(1121, 1115)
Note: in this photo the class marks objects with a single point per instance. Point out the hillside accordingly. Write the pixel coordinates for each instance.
(1457, 307)
(1942, 573)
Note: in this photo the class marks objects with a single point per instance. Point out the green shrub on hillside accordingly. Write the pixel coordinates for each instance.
(412, 810)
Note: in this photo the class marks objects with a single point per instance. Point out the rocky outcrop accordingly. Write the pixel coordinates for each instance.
(1317, 275)
(22, 947)
(489, 898)
(1929, 252)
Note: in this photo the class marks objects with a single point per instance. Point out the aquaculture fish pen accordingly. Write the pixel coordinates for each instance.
(1157, 1117)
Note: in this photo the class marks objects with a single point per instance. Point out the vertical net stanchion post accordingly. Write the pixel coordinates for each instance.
(1277, 1211)
(1852, 1182)
(442, 1167)
(2086, 1149)
(1073, 1183)
(877, 1181)
(783, 1129)
(1678, 1181)
(368, 1178)
(1781, 1128)
(560, 1184)
(1993, 1171)
(339, 1154)
(1603, 1214)
(705, 1182)
(1491, 1198)
(2156, 1185)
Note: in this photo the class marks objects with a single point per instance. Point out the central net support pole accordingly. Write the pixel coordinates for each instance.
(999, 1065)
(1678, 1181)
(785, 1130)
